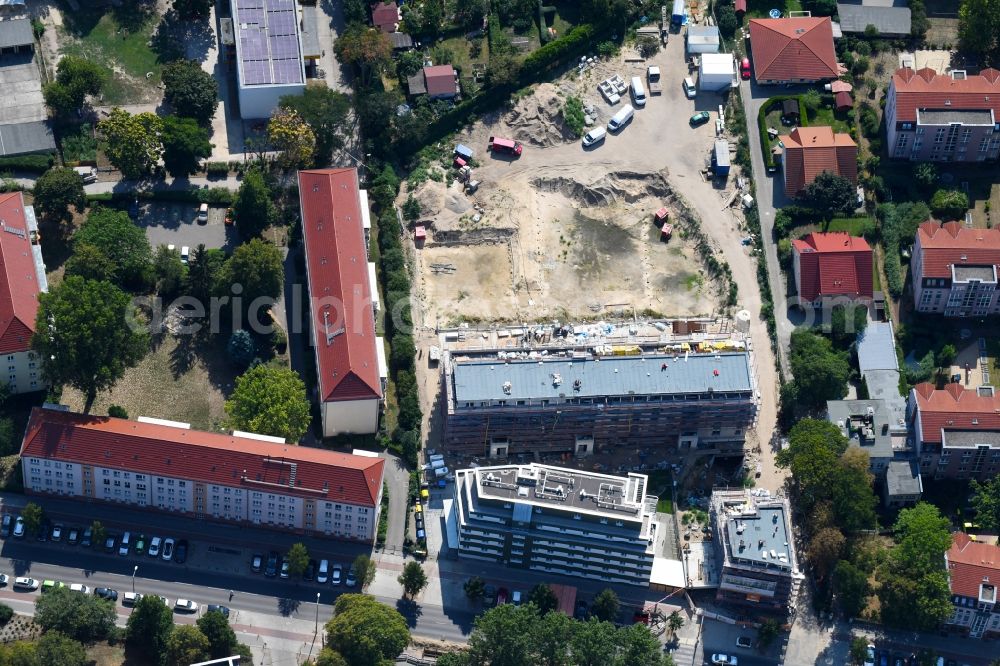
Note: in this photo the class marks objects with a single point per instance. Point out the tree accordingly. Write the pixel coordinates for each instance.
(922, 537)
(364, 570)
(544, 598)
(847, 322)
(859, 650)
(75, 79)
(149, 627)
(605, 606)
(986, 502)
(824, 550)
(411, 208)
(133, 143)
(926, 175)
(830, 195)
(6, 613)
(241, 348)
(820, 372)
(475, 588)
(979, 29)
(950, 204)
(297, 558)
(431, 12)
(270, 400)
(253, 206)
(121, 241)
(57, 649)
(593, 642)
(470, 13)
(221, 637)
(366, 632)
(413, 579)
(366, 48)
(190, 91)
(502, 69)
(193, 9)
(186, 645)
(767, 632)
(355, 12)
(293, 137)
(97, 532)
(814, 447)
(328, 657)
(326, 111)
(728, 23)
(169, 271)
(55, 191)
(185, 144)
(852, 496)
(80, 616)
(90, 263)
(204, 267)
(85, 335)
(675, 621)
(503, 636)
(257, 268)
(33, 516)
(946, 356)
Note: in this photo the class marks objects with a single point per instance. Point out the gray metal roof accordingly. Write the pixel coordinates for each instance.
(400, 40)
(888, 20)
(20, 138)
(310, 32)
(654, 374)
(983, 117)
(16, 32)
(903, 478)
(849, 416)
(416, 83)
(877, 348)
(706, 33)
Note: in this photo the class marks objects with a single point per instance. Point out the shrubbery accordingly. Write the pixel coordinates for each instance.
(31, 163)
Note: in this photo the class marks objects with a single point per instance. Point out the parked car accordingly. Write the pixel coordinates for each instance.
(489, 595)
(310, 571)
(501, 596)
(168, 549)
(125, 545)
(218, 609)
(5, 525)
(744, 642)
(869, 655)
(185, 254)
(185, 606)
(257, 563)
(323, 574)
(745, 69)
(724, 660)
(106, 593)
(230, 216)
(19, 527)
(154, 546)
(497, 144)
(48, 585)
(131, 598)
(181, 551)
(595, 135)
(140, 544)
(284, 568)
(203, 213)
(79, 587)
(337, 572)
(272, 565)
(73, 537)
(109, 543)
(351, 579)
(4, 579)
(88, 538)
(44, 531)
(700, 118)
(515, 597)
(24, 583)
(689, 90)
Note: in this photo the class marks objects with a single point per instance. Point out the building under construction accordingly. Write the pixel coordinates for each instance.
(580, 399)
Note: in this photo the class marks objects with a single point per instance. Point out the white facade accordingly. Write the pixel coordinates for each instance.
(24, 372)
(261, 101)
(717, 71)
(350, 417)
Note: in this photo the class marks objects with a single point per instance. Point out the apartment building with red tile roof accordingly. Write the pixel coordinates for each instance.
(793, 50)
(239, 477)
(809, 151)
(832, 268)
(386, 16)
(350, 358)
(955, 270)
(22, 279)
(956, 430)
(952, 117)
(973, 576)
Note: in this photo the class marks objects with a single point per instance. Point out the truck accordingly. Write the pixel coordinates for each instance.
(499, 145)
(653, 80)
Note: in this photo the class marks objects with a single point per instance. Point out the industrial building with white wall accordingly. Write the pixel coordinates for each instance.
(268, 54)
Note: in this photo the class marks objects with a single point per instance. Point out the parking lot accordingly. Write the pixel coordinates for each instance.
(176, 224)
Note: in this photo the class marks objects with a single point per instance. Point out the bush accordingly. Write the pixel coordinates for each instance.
(30, 163)
(117, 411)
(6, 612)
(573, 115)
(950, 204)
(217, 168)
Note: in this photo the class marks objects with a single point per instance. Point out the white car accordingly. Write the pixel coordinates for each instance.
(337, 571)
(131, 598)
(323, 574)
(351, 580)
(25, 583)
(185, 253)
(724, 660)
(870, 655)
(19, 527)
(689, 90)
(203, 213)
(78, 587)
(186, 606)
(4, 579)
(168, 549)
(154, 546)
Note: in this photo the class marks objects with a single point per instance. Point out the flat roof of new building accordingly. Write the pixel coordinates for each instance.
(877, 347)
(903, 478)
(267, 42)
(874, 438)
(16, 32)
(564, 488)
(652, 374)
(757, 529)
(981, 273)
(949, 116)
(970, 439)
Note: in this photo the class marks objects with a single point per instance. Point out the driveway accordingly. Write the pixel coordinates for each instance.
(175, 224)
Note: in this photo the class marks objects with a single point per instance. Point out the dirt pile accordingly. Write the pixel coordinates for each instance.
(613, 187)
(537, 118)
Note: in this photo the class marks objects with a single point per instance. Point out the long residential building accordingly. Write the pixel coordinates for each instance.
(580, 400)
(955, 270)
(952, 117)
(350, 359)
(973, 577)
(557, 520)
(758, 563)
(22, 279)
(165, 466)
(956, 430)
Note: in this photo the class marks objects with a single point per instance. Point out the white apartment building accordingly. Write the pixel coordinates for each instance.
(234, 478)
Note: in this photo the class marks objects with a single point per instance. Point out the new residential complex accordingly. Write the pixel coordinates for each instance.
(954, 270)
(557, 520)
(239, 478)
(956, 430)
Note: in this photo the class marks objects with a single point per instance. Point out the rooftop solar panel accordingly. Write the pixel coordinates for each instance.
(268, 39)
(240, 4)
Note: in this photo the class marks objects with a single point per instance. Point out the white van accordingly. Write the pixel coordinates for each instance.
(622, 118)
(595, 135)
(638, 92)
(125, 545)
(324, 571)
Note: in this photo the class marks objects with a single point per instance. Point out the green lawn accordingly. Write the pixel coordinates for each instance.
(665, 505)
(760, 8)
(119, 43)
(876, 278)
(856, 226)
(840, 121)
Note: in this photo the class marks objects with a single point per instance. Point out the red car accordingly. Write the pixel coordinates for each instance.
(745, 69)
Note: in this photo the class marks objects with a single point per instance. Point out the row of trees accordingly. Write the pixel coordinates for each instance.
(151, 632)
(135, 143)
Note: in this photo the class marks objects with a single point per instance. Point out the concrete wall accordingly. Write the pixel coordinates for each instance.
(355, 417)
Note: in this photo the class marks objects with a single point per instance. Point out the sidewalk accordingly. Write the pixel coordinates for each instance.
(230, 182)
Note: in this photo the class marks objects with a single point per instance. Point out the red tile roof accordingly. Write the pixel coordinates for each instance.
(741, 6)
(440, 80)
(842, 100)
(18, 281)
(809, 151)
(926, 89)
(385, 16)
(942, 245)
(205, 457)
(833, 264)
(971, 563)
(788, 49)
(337, 268)
(954, 408)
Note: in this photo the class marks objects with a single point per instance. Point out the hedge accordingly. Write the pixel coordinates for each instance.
(217, 196)
(765, 142)
(573, 42)
(217, 168)
(32, 163)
